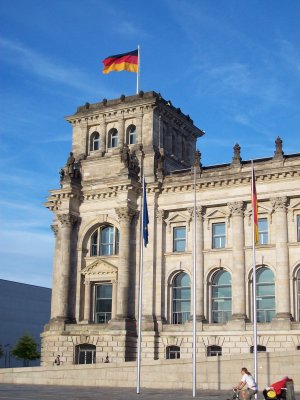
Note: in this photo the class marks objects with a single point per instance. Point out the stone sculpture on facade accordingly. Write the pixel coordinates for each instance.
(236, 159)
(278, 154)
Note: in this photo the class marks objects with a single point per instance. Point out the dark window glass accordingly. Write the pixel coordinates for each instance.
(218, 235)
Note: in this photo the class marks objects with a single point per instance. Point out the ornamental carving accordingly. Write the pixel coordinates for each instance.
(279, 203)
(67, 220)
(100, 270)
(124, 214)
(199, 212)
(54, 229)
(159, 215)
(236, 208)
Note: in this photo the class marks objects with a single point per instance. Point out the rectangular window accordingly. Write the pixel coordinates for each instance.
(218, 235)
(263, 231)
(103, 304)
(179, 238)
(298, 228)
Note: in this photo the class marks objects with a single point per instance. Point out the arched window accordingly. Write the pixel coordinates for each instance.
(85, 354)
(95, 141)
(221, 297)
(131, 134)
(298, 294)
(260, 348)
(105, 241)
(214, 351)
(265, 295)
(172, 352)
(181, 295)
(113, 138)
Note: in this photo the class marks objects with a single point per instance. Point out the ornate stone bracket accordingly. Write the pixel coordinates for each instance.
(54, 228)
(124, 214)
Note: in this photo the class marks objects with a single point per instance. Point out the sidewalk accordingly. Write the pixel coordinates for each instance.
(45, 392)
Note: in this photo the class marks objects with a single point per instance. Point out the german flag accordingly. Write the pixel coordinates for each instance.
(254, 207)
(120, 62)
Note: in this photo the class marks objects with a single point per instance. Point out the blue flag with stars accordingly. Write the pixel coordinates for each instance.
(145, 217)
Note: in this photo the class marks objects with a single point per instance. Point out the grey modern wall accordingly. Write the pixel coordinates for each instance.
(23, 309)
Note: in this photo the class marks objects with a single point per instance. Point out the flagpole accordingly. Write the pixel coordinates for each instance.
(138, 72)
(254, 205)
(194, 289)
(138, 387)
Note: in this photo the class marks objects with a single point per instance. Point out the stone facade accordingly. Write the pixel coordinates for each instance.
(97, 227)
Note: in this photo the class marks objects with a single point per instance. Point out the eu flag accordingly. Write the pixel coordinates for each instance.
(145, 216)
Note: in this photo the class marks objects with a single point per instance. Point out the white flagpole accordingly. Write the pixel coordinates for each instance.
(138, 386)
(138, 72)
(194, 290)
(254, 281)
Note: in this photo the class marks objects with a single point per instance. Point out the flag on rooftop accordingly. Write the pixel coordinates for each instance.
(126, 61)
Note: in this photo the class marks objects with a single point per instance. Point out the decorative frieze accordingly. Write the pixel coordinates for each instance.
(54, 229)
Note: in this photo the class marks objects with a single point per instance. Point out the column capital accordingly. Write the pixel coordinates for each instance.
(54, 229)
(199, 212)
(67, 220)
(236, 208)
(279, 203)
(124, 214)
(159, 214)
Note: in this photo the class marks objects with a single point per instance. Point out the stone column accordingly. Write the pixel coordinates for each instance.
(159, 297)
(283, 305)
(200, 265)
(124, 215)
(121, 133)
(87, 301)
(139, 128)
(102, 146)
(238, 260)
(55, 280)
(67, 221)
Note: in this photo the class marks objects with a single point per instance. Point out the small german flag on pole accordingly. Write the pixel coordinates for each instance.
(120, 62)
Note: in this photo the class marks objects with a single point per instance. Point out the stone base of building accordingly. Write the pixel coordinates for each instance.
(108, 342)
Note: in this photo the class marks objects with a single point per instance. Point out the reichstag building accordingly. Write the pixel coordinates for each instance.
(97, 213)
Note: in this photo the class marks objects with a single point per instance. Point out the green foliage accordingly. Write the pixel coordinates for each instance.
(26, 349)
(1, 351)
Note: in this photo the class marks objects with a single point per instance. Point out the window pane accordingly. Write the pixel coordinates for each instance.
(179, 238)
(218, 235)
(265, 300)
(103, 303)
(181, 293)
(263, 231)
(298, 228)
(221, 297)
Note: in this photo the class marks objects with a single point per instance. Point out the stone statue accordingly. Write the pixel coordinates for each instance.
(70, 164)
(236, 159)
(133, 167)
(278, 148)
(125, 155)
(197, 162)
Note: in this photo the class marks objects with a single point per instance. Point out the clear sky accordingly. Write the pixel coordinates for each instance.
(232, 65)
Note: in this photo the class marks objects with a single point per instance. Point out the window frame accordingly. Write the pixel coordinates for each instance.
(298, 295)
(179, 317)
(214, 351)
(89, 348)
(131, 134)
(177, 240)
(298, 228)
(107, 314)
(95, 139)
(172, 350)
(260, 297)
(97, 245)
(220, 237)
(226, 314)
(113, 138)
(263, 234)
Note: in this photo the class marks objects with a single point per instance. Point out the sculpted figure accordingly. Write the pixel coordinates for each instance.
(70, 163)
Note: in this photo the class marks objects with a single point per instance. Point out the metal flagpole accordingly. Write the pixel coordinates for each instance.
(254, 204)
(138, 72)
(194, 289)
(138, 386)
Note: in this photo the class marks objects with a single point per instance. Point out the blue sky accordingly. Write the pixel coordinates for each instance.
(233, 66)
